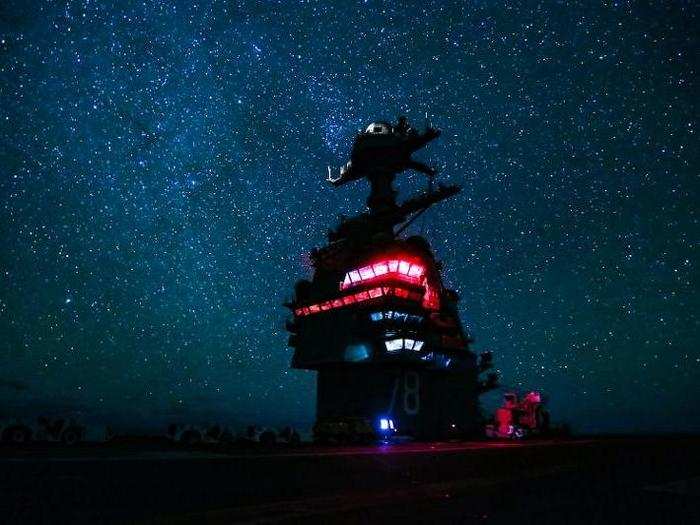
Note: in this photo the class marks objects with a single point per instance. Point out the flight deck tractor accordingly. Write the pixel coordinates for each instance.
(520, 417)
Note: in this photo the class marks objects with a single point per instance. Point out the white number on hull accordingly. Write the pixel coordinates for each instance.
(411, 393)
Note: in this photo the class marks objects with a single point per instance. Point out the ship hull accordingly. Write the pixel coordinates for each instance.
(425, 404)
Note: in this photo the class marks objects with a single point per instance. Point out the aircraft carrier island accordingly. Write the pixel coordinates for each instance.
(376, 321)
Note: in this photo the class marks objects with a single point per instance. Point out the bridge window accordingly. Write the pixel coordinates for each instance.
(396, 316)
(366, 295)
(395, 268)
(394, 345)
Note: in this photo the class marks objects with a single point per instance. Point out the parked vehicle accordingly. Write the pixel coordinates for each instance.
(519, 418)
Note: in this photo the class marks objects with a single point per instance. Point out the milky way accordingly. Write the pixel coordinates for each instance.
(162, 178)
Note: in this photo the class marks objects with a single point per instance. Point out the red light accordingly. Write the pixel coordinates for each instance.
(431, 299)
(362, 296)
(393, 269)
(375, 292)
(358, 297)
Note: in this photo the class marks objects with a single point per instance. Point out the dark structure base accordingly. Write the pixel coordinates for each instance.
(426, 404)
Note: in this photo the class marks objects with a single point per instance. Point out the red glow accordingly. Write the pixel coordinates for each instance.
(431, 300)
(372, 293)
(400, 269)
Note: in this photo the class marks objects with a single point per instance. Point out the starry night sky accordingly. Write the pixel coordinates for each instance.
(162, 180)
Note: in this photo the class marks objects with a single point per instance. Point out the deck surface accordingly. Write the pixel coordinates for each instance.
(640, 480)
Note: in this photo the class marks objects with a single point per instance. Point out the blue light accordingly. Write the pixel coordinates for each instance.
(356, 352)
(384, 424)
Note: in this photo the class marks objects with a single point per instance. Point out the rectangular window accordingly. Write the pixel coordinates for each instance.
(366, 272)
(381, 269)
(362, 296)
(415, 271)
(375, 292)
(393, 345)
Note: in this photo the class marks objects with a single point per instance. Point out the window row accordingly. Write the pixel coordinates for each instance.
(395, 345)
(366, 295)
(396, 316)
(404, 270)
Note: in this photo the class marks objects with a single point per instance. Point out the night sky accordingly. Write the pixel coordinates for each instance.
(162, 181)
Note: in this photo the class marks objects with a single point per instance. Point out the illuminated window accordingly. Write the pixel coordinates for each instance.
(395, 316)
(381, 269)
(362, 296)
(375, 292)
(400, 292)
(366, 273)
(356, 352)
(393, 345)
(372, 293)
(399, 269)
(415, 271)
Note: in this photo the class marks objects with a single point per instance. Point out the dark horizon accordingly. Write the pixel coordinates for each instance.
(164, 180)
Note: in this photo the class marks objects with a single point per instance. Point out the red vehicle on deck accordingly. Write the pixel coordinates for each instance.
(519, 418)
